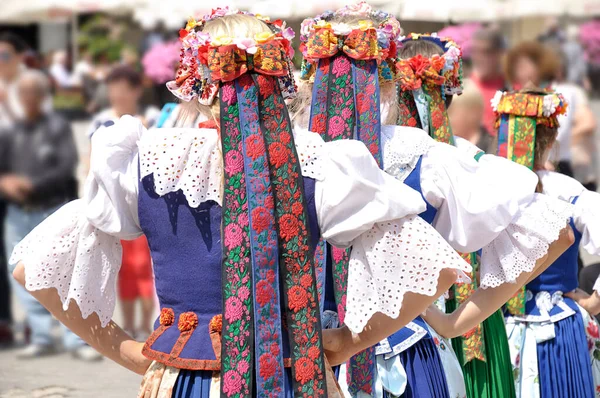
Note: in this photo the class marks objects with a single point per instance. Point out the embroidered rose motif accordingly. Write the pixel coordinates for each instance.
(266, 85)
(318, 124)
(289, 226)
(268, 366)
(233, 236)
(233, 309)
(341, 66)
(305, 370)
(243, 293)
(234, 162)
(314, 352)
(264, 293)
(187, 322)
(297, 298)
(216, 324)
(167, 317)
(275, 349)
(260, 219)
(306, 281)
(229, 94)
(232, 382)
(255, 146)
(278, 154)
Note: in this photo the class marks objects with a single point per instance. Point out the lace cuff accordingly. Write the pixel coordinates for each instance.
(67, 253)
(526, 240)
(392, 259)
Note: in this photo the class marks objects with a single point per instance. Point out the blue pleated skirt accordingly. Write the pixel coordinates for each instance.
(564, 361)
(424, 371)
(196, 384)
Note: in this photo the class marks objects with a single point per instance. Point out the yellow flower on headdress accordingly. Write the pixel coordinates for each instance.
(263, 37)
(415, 36)
(191, 24)
(322, 24)
(221, 41)
(262, 17)
(365, 25)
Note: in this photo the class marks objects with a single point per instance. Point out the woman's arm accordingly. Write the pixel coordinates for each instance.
(484, 302)
(590, 302)
(111, 341)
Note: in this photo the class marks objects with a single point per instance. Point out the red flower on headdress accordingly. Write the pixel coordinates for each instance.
(182, 33)
(297, 298)
(419, 64)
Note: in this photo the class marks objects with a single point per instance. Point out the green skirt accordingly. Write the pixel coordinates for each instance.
(493, 378)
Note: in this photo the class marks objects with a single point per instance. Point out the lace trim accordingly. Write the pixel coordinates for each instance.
(384, 348)
(526, 240)
(402, 148)
(67, 253)
(390, 260)
(191, 160)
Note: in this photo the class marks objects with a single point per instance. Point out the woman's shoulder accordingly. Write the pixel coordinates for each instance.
(559, 185)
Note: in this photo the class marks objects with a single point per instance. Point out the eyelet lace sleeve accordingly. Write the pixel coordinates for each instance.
(77, 250)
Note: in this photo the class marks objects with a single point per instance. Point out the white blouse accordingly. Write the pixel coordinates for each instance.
(77, 249)
(486, 204)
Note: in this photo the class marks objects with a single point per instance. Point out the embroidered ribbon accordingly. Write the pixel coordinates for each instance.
(346, 100)
(422, 77)
(265, 228)
(472, 341)
(358, 44)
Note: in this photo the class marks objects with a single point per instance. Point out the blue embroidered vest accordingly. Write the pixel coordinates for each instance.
(561, 276)
(185, 244)
(417, 329)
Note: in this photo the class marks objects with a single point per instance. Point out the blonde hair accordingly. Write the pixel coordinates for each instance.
(299, 108)
(470, 98)
(238, 26)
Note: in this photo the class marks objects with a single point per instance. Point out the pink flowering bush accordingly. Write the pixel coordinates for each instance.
(461, 35)
(161, 61)
(589, 35)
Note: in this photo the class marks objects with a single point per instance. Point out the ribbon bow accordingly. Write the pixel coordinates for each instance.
(358, 44)
(418, 71)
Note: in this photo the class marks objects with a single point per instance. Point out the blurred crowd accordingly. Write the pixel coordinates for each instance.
(39, 155)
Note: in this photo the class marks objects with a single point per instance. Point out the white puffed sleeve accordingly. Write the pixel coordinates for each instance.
(393, 250)
(597, 285)
(491, 204)
(77, 250)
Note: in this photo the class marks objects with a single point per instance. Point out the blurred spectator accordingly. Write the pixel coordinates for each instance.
(37, 175)
(99, 97)
(531, 62)
(577, 66)
(466, 118)
(486, 56)
(130, 57)
(135, 277)
(575, 141)
(124, 92)
(12, 49)
(59, 70)
(553, 36)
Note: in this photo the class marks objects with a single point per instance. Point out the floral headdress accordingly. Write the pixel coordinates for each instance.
(517, 117)
(264, 212)
(423, 84)
(207, 61)
(346, 65)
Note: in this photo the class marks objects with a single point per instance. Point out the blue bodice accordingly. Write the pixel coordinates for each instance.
(185, 244)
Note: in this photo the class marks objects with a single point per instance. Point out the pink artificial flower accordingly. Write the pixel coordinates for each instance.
(248, 45)
(288, 33)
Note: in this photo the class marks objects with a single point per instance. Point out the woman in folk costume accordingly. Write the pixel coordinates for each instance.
(233, 211)
(554, 342)
(431, 73)
(350, 60)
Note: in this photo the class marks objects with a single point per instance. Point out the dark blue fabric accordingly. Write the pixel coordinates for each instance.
(405, 333)
(196, 384)
(185, 244)
(414, 181)
(564, 361)
(424, 371)
(561, 276)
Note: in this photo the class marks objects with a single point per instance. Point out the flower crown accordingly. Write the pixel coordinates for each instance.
(545, 106)
(208, 61)
(447, 68)
(319, 39)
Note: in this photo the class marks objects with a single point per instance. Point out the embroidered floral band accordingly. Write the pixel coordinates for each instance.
(518, 115)
(206, 62)
(423, 84)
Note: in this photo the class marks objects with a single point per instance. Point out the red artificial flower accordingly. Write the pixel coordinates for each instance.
(419, 64)
(187, 322)
(264, 293)
(278, 154)
(289, 226)
(167, 317)
(305, 370)
(297, 298)
(268, 366)
(182, 33)
(260, 219)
